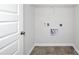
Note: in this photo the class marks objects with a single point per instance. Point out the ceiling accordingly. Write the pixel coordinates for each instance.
(53, 5)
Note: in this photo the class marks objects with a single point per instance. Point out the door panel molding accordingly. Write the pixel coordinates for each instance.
(8, 28)
(11, 24)
(10, 49)
(8, 40)
(4, 17)
(9, 7)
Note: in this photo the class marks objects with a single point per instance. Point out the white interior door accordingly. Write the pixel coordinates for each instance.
(10, 28)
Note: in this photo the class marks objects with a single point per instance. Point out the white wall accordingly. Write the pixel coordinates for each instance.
(28, 28)
(77, 27)
(55, 16)
(35, 19)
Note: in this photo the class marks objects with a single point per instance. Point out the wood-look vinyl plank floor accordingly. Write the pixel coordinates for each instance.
(53, 50)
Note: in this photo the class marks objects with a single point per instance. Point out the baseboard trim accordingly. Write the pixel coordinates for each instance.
(76, 49)
(58, 44)
(29, 51)
(53, 44)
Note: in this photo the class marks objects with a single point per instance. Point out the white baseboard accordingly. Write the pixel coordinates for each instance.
(53, 44)
(29, 51)
(58, 44)
(76, 49)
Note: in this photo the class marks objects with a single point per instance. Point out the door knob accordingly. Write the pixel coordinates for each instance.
(22, 33)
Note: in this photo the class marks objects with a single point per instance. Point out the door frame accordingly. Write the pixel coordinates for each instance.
(20, 28)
